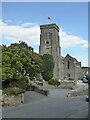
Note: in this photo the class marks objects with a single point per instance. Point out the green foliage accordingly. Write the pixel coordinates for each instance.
(8, 72)
(47, 75)
(47, 66)
(21, 83)
(54, 82)
(17, 63)
(13, 91)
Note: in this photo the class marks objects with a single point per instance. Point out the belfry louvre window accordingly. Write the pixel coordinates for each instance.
(46, 36)
(68, 64)
(50, 35)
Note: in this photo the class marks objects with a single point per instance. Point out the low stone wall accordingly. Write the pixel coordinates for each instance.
(39, 89)
(67, 84)
(77, 92)
(12, 100)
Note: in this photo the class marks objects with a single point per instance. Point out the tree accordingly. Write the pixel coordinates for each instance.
(17, 63)
(48, 66)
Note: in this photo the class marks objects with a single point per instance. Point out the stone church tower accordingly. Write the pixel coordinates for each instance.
(50, 44)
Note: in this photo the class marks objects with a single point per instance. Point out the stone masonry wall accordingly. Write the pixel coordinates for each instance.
(12, 100)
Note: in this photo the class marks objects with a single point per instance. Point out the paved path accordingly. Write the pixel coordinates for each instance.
(57, 105)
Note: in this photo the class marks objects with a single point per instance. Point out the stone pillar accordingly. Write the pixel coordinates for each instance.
(40, 77)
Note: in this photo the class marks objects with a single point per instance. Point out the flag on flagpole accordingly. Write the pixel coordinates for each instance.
(49, 18)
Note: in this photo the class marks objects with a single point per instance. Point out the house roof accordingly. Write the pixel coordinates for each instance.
(75, 60)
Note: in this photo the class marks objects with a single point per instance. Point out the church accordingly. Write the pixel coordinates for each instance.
(66, 67)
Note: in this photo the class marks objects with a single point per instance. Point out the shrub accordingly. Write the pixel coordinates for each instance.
(54, 82)
(22, 83)
(13, 91)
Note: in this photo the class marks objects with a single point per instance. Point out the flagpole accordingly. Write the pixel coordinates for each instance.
(49, 19)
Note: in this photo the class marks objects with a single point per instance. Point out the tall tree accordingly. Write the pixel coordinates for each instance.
(48, 66)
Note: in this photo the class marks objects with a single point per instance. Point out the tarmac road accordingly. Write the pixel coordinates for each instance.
(56, 105)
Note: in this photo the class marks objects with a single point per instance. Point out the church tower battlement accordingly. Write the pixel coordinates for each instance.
(50, 44)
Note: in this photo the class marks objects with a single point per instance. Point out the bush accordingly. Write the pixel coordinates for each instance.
(22, 83)
(13, 91)
(54, 82)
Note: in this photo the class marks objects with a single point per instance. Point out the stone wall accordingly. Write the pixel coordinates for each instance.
(78, 93)
(67, 84)
(71, 68)
(39, 89)
(12, 100)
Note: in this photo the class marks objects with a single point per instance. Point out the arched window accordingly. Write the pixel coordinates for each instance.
(68, 65)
